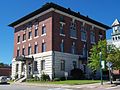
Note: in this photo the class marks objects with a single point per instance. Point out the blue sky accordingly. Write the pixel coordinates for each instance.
(105, 11)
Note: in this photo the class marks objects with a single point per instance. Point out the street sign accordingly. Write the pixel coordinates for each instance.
(102, 64)
(109, 64)
(66, 75)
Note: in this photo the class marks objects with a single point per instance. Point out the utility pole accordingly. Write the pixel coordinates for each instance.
(101, 74)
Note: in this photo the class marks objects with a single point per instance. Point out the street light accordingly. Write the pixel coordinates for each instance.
(101, 68)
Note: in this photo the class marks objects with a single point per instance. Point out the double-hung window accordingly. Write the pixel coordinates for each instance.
(23, 51)
(73, 32)
(43, 65)
(62, 65)
(43, 47)
(18, 52)
(35, 49)
(73, 48)
(18, 39)
(61, 28)
(24, 36)
(83, 35)
(30, 35)
(29, 50)
(43, 29)
(92, 37)
(62, 46)
(36, 30)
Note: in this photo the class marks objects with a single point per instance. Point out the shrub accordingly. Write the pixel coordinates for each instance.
(36, 78)
(77, 74)
(62, 78)
(45, 77)
(56, 79)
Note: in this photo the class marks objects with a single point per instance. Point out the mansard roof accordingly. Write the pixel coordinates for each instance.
(55, 6)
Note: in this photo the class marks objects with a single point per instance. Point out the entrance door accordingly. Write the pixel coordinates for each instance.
(30, 69)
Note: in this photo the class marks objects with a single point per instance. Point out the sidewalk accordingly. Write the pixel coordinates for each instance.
(91, 86)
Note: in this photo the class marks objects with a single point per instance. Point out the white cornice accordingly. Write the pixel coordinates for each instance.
(60, 12)
(36, 16)
(63, 13)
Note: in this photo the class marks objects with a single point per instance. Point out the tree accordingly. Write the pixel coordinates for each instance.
(94, 59)
(114, 56)
(110, 53)
(1, 64)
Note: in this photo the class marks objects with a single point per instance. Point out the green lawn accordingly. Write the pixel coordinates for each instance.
(70, 82)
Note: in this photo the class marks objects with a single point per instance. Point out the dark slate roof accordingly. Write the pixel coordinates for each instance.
(52, 5)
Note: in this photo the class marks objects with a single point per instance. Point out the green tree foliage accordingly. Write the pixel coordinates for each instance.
(94, 59)
(114, 56)
(109, 54)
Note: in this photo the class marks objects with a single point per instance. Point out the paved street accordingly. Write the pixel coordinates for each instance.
(28, 87)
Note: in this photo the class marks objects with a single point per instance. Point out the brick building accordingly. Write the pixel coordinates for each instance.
(5, 71)
(53, 40)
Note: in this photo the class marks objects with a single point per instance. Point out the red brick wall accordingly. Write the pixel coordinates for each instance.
(5, 71)
(47, 21)
(53, 38)
(67, 40)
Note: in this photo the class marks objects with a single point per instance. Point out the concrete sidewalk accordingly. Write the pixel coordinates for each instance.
(90, 86)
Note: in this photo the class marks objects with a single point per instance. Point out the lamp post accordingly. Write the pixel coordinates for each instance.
(101, 74)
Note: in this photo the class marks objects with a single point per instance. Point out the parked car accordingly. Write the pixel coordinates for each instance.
(3, 79)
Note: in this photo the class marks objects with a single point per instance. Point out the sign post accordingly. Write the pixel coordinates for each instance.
(66, 75)
(101, 74)
(109, 64)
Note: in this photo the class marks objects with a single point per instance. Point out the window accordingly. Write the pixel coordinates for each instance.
(62, 65)
(43, 65)
(116, 38)
(35, 66)
(36, 30)
(18, 52)
(100, 35)
(61, 29)
(43, 47)
(74, 64)
(62, 46)
(92, 37)
(18, 40)
(29, 50)
(73, 30)
(35, 49)
(61, 19)
(23, 51)
(24, 37)
(84, 51)
(113, 38)
(73, 48)
(83, 35)
(43, 29)
(30, 35)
